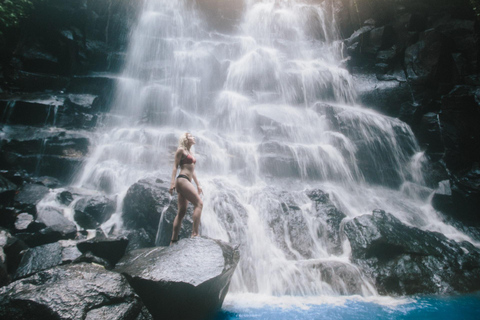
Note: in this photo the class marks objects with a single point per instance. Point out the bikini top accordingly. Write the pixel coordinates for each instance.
(188, 160)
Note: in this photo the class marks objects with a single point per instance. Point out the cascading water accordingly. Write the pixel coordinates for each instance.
(274, 114)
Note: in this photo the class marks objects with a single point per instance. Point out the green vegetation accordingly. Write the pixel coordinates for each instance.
(13, 11)
(476, 7)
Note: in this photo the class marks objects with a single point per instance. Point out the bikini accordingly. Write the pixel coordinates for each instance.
(187, 160)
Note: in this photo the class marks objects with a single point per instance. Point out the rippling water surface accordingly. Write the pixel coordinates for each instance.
(332, 308)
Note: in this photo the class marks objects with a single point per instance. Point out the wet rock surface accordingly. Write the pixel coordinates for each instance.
(144, 204)
(191, 277)
(91, 212)
(79, 291)
(404, 260)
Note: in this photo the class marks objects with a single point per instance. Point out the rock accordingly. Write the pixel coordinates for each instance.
(466, 197)
(65, 197)
(78, 291)
(404, 260)
(91, 212)
(7, 190)
(188, 280)
(26, 223)
(144, 204)
(29, 196)
(343, 278)
(331, 217)
(57, 227)
(460, 114)
(139, 238)
(10, 255)
(442, 198)
(39, 258)
(109, 249)
(427, 61)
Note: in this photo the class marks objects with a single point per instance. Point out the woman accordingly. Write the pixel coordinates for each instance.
(184, 187)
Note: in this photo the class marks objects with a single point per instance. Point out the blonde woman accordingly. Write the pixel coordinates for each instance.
(184, 187)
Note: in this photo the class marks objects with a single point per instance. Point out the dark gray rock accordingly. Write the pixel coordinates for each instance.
(65, 197)
(57, 227)
(47, 256)
(78, 291)
(404, 260)
(427, 61)
(91, 212)
(188, 280)
(460, 115)
(144, 204)
(109, 249)
(29, 196)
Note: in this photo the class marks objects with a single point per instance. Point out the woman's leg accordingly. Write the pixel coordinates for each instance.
(188, 191)
(177, 223)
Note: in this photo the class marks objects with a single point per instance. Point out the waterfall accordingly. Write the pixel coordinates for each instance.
(275, 114)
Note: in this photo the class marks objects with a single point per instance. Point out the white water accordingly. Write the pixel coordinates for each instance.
(274, 114)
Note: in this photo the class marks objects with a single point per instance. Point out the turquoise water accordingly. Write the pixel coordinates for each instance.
(451, 308)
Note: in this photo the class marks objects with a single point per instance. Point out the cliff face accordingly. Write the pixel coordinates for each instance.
(418, 60)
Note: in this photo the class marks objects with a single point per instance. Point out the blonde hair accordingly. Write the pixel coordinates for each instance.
(183, 141)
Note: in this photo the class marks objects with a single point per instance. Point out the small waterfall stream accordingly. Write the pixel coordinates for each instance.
(275, 114)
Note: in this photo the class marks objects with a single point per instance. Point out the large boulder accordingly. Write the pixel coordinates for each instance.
(78, 291)
(91, 212)
(188, 280)
(146, 202)
(404, 260)
(10, 255)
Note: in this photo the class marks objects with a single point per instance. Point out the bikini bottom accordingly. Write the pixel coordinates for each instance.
(183, 176)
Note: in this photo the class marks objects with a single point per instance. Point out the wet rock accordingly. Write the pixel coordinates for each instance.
(29, 196)
(404, 260)
(39, 258)
(144, 204)
(78, 291)
(343, 278)
(139, 238)
(65, 197)
(91, 212)
(57, 227)
(10, 255)
(109, 249)
(466, 197)
(331, 218)
(428, 61)
(460, 115)
(26, 223)
(188, 280)
(7, 190)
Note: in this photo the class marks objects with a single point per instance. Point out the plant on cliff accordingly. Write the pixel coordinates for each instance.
(12, 12)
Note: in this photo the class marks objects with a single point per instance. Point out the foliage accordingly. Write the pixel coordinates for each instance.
(476, 7)
(13, 11)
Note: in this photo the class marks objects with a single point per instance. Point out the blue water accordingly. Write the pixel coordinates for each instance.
(451, 308)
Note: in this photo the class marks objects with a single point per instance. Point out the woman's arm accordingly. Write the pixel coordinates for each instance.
(178, 157)
(199, 188)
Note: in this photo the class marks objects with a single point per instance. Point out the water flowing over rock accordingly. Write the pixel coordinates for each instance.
(54, 294)
(406, 260)
(308, 115)
(188, 280)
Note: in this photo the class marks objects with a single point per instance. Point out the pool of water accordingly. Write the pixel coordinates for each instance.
(331, 308)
